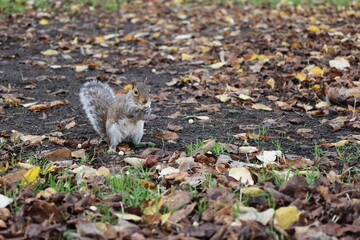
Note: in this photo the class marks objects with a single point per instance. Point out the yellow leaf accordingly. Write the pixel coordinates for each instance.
(271, 83)
(154, 206)
(103, 171)
(316, 87)
(185, 56)
(49, 52)
(30, 176)
(4, 166)
(252, 191)
(341, 143)
(186, 79)
(316, 70)
(165, 217)
(43, 22)
(99, 39)
(128, 87)
(313, 28)
(205, 49)
(285, 216)
(260, 57)
(156, 34)
(296, 45)
(75, 41)
(128, 37)
(300, 76)
(217, 65)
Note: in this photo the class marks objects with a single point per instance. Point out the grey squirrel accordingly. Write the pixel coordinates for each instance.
(117, 118)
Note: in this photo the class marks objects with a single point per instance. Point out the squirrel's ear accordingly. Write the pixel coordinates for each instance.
(146, 81)
(133, 82)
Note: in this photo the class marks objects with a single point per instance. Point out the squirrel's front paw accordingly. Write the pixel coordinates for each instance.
(146, 109)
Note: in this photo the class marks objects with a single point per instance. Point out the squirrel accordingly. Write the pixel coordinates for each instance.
(117, 118)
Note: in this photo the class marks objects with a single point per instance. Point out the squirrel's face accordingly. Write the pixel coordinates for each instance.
(140, 93)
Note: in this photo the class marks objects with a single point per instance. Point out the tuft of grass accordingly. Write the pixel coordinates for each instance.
(193, 146)
(127, 183)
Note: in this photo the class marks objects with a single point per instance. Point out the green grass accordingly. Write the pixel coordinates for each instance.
(127, 184)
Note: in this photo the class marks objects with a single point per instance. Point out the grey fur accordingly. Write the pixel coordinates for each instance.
(96, 98)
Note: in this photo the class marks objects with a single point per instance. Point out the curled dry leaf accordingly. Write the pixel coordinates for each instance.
(248, 149)
(259, 106)
(343, 95)
(33, 139)
(47, 193)
(250, 213)
(269, 156)
(223, 98)
(168, 171)
(47, 105)
(241, 174)
(135, 162)
(78, 153)
(340, 63)
(5, 201)
(175, 127)
(167, 136)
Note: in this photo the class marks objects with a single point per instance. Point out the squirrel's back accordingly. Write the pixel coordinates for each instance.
(96, 97)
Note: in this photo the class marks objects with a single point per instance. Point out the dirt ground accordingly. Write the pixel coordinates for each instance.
(245, 76)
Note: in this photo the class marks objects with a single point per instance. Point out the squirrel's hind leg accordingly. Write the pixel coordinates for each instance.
(114, 136)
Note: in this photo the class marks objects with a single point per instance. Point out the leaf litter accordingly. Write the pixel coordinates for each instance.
(262, 105)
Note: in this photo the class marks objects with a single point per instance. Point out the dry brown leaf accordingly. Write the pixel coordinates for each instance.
(167, 136)
(58, 155)
(48, 105)
(175, 127)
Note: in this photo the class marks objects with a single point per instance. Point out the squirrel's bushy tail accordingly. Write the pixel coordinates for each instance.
(96, 97)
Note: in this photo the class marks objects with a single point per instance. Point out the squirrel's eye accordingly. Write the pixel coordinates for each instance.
(135, 92)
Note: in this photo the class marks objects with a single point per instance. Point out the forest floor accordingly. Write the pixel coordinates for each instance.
(255, 123)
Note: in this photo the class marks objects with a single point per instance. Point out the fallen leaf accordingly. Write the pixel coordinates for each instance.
(285, 216)
(259, 106)
(58, 155)
(340, 63)
(313, 29)
(135, 162)
(128, 216)
(250, 213)
(5, 201)
(167, 136)
(241, 174)
(31, 175)
(316, 70)
(175, 127)
(300, 76)
(252, 191)
(217, 65)
(33, 139)
(248, 149)
(223, 98)
(43, 22)
(103, 171)
(269, 156)
(168, 170)
(50, 52)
